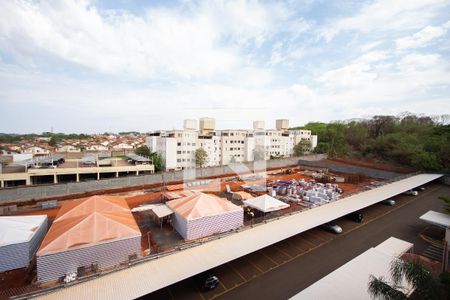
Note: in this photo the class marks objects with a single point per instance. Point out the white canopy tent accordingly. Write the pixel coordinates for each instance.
(265, 203)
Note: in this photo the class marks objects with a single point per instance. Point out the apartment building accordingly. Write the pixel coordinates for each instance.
(213, 148)
(237, 145)
(225, 146)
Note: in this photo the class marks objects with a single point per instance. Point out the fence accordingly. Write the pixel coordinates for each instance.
(374, 173)
(27, 193)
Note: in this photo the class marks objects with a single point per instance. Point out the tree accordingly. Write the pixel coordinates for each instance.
(232, 159)
(143, 151)
(259, 153)
(53, 141)
(446, 199)
(417, 276)
(302, 147)
(201, 157)
(158, 161)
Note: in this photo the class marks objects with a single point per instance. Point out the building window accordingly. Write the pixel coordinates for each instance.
(178, 144)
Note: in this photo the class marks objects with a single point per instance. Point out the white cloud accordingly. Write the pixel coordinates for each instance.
(386, 15)
(423, 37)
(159, 44)
(235, 61)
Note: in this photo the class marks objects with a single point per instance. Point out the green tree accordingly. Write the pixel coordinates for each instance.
(201, 157)
(446, 199)
(302, 148)
(54, 140)
(157, 160)
(417, 276)
(143, 151)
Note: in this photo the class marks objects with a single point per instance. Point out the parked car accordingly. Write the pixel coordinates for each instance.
(390, 202)
(419, 189)
(207, 281)
(356, 216)
(411, 193)
(332, 227)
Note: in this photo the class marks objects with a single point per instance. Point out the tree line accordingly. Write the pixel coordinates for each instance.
(412, 140)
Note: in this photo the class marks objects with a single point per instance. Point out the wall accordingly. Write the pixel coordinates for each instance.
(53, 266)
(26, 193)
(350, 169)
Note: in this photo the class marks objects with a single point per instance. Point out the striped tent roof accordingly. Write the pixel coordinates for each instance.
(201, 205)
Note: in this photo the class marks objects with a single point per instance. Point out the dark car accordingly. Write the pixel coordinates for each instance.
(207, 281)
(356, 216)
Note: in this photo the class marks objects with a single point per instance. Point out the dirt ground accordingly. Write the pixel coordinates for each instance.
(218, 186)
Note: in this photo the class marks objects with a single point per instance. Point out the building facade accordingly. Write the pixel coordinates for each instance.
(223, 147)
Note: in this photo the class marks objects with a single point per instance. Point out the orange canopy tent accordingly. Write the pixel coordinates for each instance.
(89, 221)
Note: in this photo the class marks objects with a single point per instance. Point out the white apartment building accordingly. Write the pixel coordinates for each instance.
(224, 146)
(303, 135)
(213, 148)
(166, 146)
(237, 145)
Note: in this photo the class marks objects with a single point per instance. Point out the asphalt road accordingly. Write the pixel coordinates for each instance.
(284, 269)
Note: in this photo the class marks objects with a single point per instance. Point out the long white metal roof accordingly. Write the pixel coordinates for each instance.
(19, 229)
(394, 247)
(150, 276)
(436, 218)
(351, 280)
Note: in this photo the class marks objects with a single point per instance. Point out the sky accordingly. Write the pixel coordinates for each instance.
(110, 66)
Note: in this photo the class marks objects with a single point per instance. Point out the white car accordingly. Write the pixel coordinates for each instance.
(411, 193)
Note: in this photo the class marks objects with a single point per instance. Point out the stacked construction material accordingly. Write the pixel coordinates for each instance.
(310, 191)
(20, 237)
(89, 234)
(201, 215)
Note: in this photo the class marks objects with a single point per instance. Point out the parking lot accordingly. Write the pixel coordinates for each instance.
(243, 270)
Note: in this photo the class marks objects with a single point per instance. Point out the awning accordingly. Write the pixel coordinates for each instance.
(436, 218)
(162, 211)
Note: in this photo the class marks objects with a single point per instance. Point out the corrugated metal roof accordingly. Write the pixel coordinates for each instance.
(150, 276)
